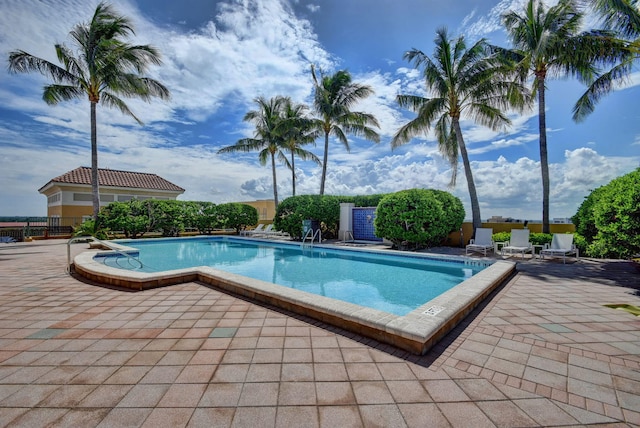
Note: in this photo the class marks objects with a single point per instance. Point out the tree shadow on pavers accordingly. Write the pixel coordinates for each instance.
(616, 273)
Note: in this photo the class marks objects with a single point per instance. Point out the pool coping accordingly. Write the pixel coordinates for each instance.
(415, 332)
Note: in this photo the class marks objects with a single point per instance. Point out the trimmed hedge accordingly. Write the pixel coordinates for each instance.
(135, 218)
(326, 209)
(418, 218)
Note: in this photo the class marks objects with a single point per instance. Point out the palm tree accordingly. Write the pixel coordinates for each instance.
(463, 81)
(267, 139)
(297, 130)
(622, 17)
(105, 70)
(547, 43)
(334, 96)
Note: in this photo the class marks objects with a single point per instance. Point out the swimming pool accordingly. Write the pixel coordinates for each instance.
(416, 332)
(390, 283)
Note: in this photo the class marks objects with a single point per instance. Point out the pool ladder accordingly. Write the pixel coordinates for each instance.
(103, 243)
(311, 234)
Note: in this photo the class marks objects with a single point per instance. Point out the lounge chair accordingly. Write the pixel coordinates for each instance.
(258, 229)
(519, 243)
(483, 241)
(264, 231)
(7, 239)
(271, 232)
(561, 246)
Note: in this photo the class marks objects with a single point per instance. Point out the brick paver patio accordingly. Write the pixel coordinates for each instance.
(542, 352)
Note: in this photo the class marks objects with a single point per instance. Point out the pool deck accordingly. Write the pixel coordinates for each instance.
(542, 351)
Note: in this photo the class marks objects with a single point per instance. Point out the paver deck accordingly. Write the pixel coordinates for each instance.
(543, 351)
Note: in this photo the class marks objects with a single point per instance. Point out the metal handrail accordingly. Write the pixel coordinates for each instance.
(92, 238)
(349, 233)
(313, 233)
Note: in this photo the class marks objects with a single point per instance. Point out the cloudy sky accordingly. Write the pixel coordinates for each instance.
(219, 55)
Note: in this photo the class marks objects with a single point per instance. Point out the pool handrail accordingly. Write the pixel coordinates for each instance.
(313, 234)
(102, 243)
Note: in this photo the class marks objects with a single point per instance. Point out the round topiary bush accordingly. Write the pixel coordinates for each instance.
(418, 218)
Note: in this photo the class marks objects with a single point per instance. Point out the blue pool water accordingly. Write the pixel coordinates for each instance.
(395, 284)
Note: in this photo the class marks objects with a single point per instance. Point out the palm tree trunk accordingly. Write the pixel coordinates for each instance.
(293, 172)
(324, 162)
(544, 161)
(475, 206)
(275, 185)
(95, 191)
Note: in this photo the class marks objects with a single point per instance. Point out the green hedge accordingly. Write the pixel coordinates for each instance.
(609, 218)
(326, 209)
(135, 218)
(418, 218)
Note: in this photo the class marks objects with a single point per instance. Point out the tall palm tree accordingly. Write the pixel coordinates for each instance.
(267, 138)
(622, 17)
(333, 99)
(296, 130)
(462, 81)
(105, 69)
(547, 44)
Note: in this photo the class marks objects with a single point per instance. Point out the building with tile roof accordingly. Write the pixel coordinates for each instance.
(69, 195)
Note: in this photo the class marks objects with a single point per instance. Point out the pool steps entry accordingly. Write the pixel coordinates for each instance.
(415, 332)
(311, 236)
(123, 251)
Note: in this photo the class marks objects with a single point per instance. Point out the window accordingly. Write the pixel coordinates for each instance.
(124, 198)
(107, 198)
(82, 197)
(54, 198)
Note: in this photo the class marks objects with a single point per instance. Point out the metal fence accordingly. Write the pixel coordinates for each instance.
(20, 228)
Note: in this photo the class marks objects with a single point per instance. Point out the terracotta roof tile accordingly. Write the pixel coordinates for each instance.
(115, 178)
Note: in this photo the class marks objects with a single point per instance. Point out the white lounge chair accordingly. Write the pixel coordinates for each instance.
(561, 246)
(251, 232)
(265, 231)
(271, 232)
(519, 243)
(483, 241)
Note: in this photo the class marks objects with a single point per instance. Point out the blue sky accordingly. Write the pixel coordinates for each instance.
(219, 55)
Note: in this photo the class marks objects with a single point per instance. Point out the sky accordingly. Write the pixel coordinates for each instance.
(218, 56)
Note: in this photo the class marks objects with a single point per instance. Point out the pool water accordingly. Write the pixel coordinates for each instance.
(394, 284)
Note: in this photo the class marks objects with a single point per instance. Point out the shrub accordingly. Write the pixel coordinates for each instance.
(293, 210)
(418, 218)
(131, 218)
(501, 237)
(584, 219)
(166, 217)
(205, 218)
(609, 218)
(91, 228)
(236, 216)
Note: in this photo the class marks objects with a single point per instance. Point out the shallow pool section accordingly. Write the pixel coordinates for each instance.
(415, 331)
(390, 283)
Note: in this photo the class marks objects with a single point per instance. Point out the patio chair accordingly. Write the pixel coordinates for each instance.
(561, 246)
(483, 241)
(264, 232)
(258, 229)
(519, 243)
(7, 239)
